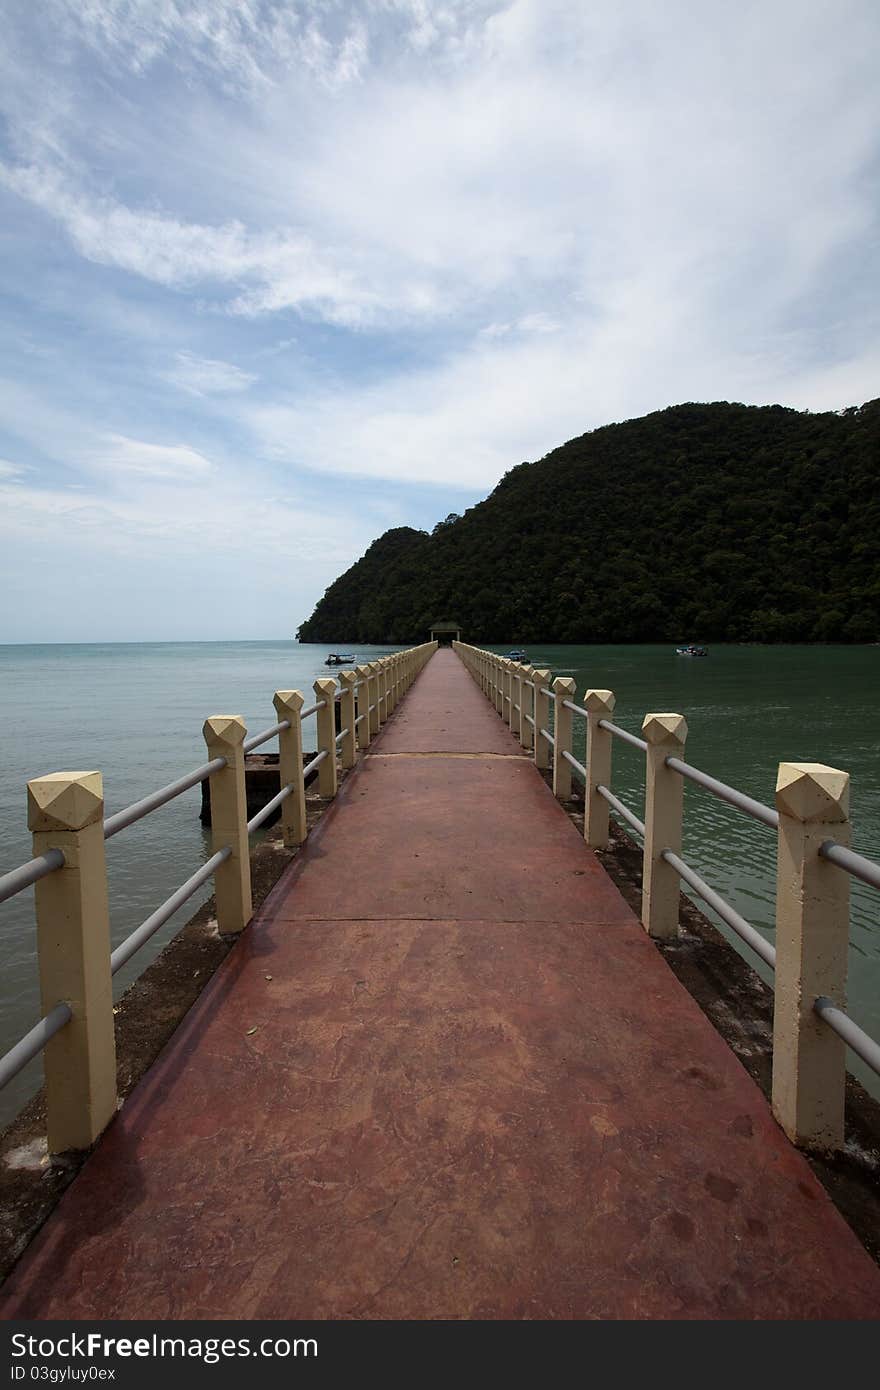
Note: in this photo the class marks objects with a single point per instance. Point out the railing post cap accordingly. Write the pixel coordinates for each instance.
(565, 685)
(363, 670)
(600, 701)
(664, 729)
(65, 801)
(224, 728)
(811, 792)
(325, 685)
(541, 674)
(288, 700)
(348, 677)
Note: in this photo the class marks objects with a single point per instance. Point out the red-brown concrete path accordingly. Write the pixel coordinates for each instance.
(474, 1090)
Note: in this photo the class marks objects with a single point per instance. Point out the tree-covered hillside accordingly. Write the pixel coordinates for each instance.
(700, 522)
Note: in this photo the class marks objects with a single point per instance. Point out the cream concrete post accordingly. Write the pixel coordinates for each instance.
(812, 939)
(363, 706)
(564, 688)
(599, 705)
(389, 686)
(542, 719)
(664, 800)
(515, 698)
(382, 702)
(377, 667)
(499, 685)
(516, 687)
(66, 812)
(526, 698)
(288, 704)
(224, 736)
(373, 697)
(346, 709)
(325, 690)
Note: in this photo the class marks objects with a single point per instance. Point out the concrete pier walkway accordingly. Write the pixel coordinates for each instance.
(445, 1074)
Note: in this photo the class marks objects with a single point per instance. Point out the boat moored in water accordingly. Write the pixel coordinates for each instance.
(691, 651)
(339, 659)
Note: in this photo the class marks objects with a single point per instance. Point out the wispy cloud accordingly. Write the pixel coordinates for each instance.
(175, 461)
(276, 242)
(204, 376)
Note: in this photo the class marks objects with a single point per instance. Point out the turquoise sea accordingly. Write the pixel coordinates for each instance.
(135, 711)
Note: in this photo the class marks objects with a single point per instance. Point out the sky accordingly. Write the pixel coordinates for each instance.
(277, 275)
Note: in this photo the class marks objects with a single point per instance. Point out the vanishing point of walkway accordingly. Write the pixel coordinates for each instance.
(445, 1074)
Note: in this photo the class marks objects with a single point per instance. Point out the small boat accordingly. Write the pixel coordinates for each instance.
(517, 654)
(691, 651)
(339, 659)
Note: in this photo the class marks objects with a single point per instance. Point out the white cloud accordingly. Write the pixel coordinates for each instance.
(10, 470)
(205, 376)
(267, 271)
(537, 216)
(173, 461)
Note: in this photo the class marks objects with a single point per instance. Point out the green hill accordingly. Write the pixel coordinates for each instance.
(702, 522)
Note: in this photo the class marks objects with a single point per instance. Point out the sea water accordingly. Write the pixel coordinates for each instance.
(135, 711)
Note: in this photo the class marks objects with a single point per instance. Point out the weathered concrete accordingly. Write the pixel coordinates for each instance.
(478, 1093)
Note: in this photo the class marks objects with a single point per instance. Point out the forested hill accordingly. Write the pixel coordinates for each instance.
(700, 522)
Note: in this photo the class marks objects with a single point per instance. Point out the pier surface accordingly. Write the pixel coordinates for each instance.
(445, 1074)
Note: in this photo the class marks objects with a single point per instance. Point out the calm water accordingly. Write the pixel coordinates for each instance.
(136, 712)
(748, 709)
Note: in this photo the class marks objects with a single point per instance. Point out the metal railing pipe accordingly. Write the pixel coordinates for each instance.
(33, 1042)
(627, 737)
(256, 821)
(251, 743)
(743, 929)
(576, 709)
(549, 737)
(312, 709)
(578, 767)
(315, 762)
(31, 872)
(855, 864)
(138, 809)
(157, 919)
(623, 811)
(756, 809)
(862, 1044)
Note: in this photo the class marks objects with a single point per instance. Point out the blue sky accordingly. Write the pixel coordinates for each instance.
(278, 276)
